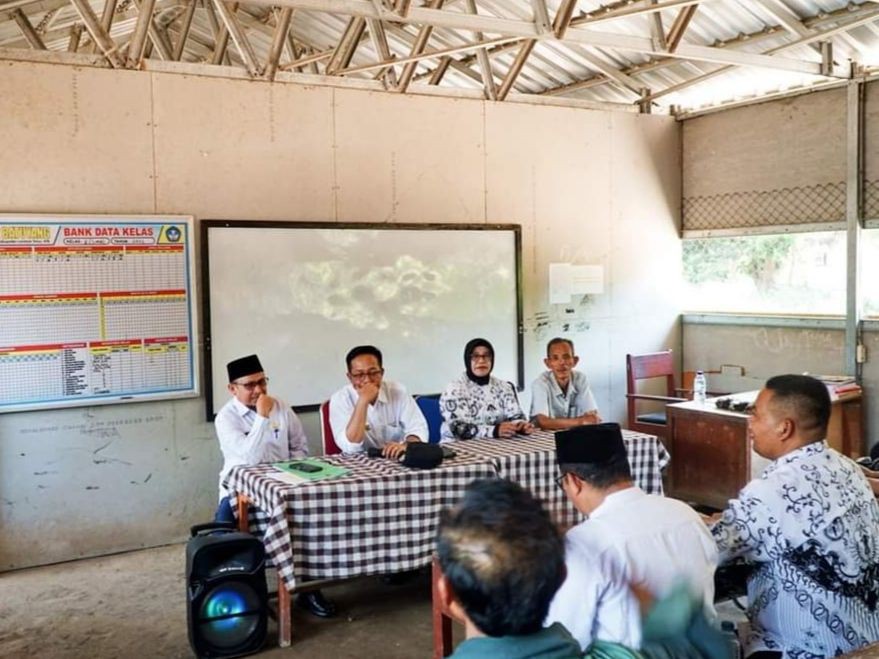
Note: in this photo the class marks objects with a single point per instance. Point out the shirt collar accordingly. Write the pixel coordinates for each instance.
(617, 500)
(240, 407)
(556, 388)
(814, 448)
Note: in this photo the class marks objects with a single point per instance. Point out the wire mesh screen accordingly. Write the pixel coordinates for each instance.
(818, 203)
(871, 200)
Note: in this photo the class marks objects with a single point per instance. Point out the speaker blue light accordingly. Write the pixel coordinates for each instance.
(229, 615)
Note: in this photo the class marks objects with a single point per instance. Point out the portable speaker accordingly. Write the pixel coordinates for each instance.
(227, 608)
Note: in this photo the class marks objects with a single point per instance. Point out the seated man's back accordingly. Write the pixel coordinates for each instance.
(631, 538)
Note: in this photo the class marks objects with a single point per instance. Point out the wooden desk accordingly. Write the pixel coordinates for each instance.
(711, 457)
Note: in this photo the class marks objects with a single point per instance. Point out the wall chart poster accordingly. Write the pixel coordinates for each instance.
(96, 309)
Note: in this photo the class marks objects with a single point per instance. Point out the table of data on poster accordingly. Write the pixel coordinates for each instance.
(95, 310)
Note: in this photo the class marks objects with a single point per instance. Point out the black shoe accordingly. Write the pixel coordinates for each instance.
(315, 603)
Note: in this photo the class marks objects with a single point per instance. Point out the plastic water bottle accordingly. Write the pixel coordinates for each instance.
(699, 387)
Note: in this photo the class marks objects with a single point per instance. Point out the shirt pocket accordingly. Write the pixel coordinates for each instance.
(391, 432)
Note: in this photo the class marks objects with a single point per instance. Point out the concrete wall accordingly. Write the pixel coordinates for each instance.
(777, 163)
(766, 351)
(588, 187)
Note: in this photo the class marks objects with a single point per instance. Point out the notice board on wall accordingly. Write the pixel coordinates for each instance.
(300, 295)
(96, 309)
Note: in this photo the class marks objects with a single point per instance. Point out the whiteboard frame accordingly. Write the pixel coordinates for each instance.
(206, 225)
(193, 308)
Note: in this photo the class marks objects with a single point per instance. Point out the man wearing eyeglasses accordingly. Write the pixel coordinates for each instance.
(372, 412)
(628, 537)
(254, 427)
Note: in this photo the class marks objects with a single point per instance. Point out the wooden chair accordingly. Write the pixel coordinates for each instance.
(326, 430)
(646, 367)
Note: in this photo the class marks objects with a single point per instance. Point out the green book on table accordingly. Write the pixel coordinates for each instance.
(311, 469)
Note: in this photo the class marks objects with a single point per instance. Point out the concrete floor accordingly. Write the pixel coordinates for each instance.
(133, 605)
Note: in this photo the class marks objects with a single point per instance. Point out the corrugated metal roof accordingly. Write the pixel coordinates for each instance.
(625, 52)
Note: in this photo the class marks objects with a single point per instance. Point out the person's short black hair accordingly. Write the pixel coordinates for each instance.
(502, 556)
(559, 339)
(807, 400)
(356, 351)
(600, 475)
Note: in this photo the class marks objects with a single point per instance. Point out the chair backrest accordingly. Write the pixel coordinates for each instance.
(430, 408)
(647, 367)
(326, 430)
(651, 365)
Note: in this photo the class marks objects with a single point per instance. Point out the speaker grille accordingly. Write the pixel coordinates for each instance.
(229, 615)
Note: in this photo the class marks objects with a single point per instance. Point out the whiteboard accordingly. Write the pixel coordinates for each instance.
(301, 295)
(96, 309)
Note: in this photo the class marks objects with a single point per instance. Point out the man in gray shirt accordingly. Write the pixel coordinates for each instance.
(561, 397)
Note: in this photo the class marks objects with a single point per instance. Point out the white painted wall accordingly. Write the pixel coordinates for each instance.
(587, 187)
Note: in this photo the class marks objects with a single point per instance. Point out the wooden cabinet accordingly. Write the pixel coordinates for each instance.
(711, 456)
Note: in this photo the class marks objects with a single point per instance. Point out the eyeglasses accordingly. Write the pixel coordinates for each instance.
(250, 386)
(477, 356)
(372, 374)
(560, 481)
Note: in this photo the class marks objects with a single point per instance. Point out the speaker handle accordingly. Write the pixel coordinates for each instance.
(201, 529)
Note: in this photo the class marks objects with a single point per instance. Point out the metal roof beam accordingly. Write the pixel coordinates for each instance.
(347, 45)
(679, 27)
(98, 34)
(484, 62)
(28, 30)
(184, 29)
(434, 17)
(278, 41)
(380, 44)
(417, 47)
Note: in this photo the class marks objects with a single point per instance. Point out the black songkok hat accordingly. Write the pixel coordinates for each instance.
(242, 366)
(592, 444)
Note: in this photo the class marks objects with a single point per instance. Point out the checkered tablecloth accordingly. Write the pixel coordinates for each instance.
(530, 461)
(381, 517)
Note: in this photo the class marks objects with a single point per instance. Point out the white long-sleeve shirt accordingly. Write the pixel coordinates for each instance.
(390, 419)
(246, 438)
(637, 538)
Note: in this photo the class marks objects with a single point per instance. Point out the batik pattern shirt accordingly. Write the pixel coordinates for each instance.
(480, 406)
(810, 525)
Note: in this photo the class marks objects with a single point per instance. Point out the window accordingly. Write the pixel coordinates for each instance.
(800, 274)
(870, 272)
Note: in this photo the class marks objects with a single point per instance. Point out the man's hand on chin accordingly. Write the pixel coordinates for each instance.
(368, 392)
(264, 405)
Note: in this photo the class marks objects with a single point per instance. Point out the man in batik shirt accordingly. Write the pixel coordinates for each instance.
(810, 527)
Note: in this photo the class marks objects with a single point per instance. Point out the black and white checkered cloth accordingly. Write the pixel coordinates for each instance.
(381, 517)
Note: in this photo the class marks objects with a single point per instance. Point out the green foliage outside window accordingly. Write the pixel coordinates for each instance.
(721, 259)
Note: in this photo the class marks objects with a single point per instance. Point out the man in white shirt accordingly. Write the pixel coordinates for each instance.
(630, 537)
(561, 397)
(254, 427)
(809, 526)
(372, 412)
